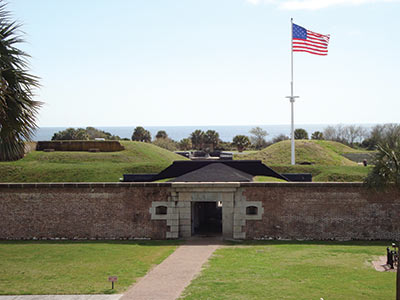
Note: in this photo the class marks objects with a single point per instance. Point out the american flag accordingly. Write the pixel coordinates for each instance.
(308, 41)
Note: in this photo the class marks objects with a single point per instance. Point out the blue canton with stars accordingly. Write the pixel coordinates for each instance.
(299, 32)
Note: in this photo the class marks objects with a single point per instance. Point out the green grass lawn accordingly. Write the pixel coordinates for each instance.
(76, 267)
(294, 270)
(328, 162)
(39, 166)
(322, 173)
(267, 179)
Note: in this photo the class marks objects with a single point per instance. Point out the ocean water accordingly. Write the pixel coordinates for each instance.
(226, 133)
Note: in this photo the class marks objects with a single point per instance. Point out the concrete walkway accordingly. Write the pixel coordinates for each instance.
(168, 280)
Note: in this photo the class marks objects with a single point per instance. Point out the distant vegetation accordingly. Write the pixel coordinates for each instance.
(141, 135)
(354, 136)
(300, 134)
(81, 134)
(242, 142)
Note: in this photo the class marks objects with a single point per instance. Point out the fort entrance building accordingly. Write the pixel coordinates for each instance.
(197, 202)
(206, 209)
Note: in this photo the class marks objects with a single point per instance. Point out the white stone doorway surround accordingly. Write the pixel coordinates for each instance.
(177, 211)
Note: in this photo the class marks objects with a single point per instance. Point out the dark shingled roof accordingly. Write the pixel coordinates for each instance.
(216, 172)
(252, 167)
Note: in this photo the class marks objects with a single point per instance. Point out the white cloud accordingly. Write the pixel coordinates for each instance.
(316, 4)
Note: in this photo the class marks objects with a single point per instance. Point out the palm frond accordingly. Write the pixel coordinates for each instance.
(18, 109)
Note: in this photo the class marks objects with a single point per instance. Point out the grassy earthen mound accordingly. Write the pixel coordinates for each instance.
(326, 153)
(59, 166)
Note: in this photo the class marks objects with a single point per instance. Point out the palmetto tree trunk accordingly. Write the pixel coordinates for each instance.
(18, 110)
(398, 283)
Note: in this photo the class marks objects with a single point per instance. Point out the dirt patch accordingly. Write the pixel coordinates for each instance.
(381, 266)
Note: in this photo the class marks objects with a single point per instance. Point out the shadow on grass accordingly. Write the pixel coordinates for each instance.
(206, 241)
(385, 243)
(112, 242)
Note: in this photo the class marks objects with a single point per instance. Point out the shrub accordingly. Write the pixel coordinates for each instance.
(185, 144)
(166, 143)
(300, 134)
(317, 135)
(161, 134)
(90, 133)
(387, 166)
(258, 137)
(280, 138)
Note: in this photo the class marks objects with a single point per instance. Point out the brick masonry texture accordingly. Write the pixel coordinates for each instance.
(324, 211)
(320, 211)
(103, 146)
(76, 211)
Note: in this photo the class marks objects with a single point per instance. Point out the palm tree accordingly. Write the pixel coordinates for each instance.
(241, 142)
(211, 139)
(18, 110)
(197, 138)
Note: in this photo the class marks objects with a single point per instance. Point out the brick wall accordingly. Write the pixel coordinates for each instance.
(320, 211)
(338, 211)
(102, 146)
(71, 211)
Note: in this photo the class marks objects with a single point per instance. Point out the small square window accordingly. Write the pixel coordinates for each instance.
(251, 210)
(161, 210)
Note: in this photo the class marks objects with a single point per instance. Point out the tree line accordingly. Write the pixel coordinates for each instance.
(352, 135)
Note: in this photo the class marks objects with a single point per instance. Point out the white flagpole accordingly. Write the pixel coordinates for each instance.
(292, 97)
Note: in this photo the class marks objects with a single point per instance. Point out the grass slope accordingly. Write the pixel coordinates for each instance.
(328, 173)
(316, 152)
(39, 166)
(328, 162)
(76, 267)
(294, 270)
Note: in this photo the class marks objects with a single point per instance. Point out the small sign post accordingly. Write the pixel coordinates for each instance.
(112, 279)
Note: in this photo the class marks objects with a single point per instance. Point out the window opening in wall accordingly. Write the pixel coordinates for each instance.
(161, 210)
(251, 210)
(207, 218)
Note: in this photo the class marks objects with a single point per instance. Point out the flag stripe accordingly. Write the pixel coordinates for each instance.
(308, 41)
(317, 40)
(312, 52)
(310, 48)
(299, 41)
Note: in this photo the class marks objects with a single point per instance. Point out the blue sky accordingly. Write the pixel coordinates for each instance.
(210, 62)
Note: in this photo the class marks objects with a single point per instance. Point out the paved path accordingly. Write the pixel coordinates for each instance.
(168, 280)
(62, 297)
